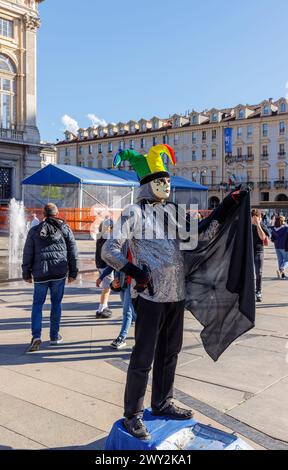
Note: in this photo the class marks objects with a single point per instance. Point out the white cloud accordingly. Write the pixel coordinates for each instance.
(70, 124)
(96, 121)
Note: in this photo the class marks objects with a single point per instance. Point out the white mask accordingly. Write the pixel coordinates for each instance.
(161, 188)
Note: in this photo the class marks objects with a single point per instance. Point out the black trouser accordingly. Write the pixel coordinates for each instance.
(258, 262)
(158, 337)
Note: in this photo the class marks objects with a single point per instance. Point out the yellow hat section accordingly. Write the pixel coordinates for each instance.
(154, 158)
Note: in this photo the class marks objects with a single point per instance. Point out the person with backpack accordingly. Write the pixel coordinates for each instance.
(49, 257)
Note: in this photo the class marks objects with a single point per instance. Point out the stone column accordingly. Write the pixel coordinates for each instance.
(32, 136)
(31, 24)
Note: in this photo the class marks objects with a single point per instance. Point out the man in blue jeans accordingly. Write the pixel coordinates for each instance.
(50, 255)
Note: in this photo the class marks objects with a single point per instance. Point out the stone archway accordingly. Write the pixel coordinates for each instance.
(214, 202)
(281, 198)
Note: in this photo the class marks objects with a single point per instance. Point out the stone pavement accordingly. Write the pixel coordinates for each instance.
(68, 397)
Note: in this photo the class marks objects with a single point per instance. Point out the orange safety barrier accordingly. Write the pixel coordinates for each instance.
(4, 216)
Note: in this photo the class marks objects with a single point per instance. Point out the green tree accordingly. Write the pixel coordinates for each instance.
(52, 192)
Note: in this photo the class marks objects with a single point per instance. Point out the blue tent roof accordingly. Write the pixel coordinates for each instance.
(69, 174)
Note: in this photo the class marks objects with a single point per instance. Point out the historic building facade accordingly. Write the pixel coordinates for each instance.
(48, 154)
(19, 136)
(259, 156)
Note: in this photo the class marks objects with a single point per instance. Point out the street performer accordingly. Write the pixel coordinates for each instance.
(214, 280)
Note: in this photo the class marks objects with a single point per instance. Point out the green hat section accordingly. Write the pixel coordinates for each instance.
(137, 160)
(148, 166)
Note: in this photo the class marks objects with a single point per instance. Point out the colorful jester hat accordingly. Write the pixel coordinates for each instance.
(148, 167)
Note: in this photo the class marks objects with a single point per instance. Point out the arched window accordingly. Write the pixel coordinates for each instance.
(213, 202)
(7, 92)
(281, 198)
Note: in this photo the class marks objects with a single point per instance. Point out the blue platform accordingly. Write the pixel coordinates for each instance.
(173, 435)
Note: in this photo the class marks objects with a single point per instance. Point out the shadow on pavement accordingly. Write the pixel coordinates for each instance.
(96, 445)
(25, 322)
(11, 354)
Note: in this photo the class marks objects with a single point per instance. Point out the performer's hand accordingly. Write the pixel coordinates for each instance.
(71, 279)
(116, 284)
(239, 194)
(142, 276)
(29, 281)
(143, 280)
(98, 282)
(140, 286)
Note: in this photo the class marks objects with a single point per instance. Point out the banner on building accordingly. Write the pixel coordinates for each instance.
(228, 133)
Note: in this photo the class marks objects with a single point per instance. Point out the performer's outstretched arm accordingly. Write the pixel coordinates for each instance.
(208, 227)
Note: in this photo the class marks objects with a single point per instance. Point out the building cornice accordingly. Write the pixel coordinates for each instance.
(228, 121)
(21, 6)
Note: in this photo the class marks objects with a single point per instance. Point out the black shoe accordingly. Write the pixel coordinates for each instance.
(106, 313)
(173, 412)
(136, 428)
(34, 345)
(118, 343)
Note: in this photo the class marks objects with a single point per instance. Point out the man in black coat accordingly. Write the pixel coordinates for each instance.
(50, 255)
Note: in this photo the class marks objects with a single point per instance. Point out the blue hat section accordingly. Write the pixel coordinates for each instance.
(167, 434)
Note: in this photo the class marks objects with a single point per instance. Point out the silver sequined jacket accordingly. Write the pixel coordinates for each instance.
(151, 245)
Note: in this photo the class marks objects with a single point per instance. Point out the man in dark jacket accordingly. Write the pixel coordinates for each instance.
(50, 255)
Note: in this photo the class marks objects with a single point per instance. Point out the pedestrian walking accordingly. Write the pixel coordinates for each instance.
(103, 310)
(272, 220)
(122, 284)
(49, 257)
(280, 240)
(260, 234)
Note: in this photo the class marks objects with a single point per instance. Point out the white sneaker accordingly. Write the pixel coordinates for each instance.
(59, 340)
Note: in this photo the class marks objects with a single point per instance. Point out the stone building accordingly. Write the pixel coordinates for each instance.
(19, 136)
(48, 154)
(259, 151)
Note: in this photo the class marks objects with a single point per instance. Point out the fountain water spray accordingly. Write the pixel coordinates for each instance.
(17, 236)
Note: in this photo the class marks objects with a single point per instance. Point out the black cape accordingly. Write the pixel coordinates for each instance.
(220, 286)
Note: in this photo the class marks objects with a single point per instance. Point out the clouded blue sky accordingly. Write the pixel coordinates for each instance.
(122, 60)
